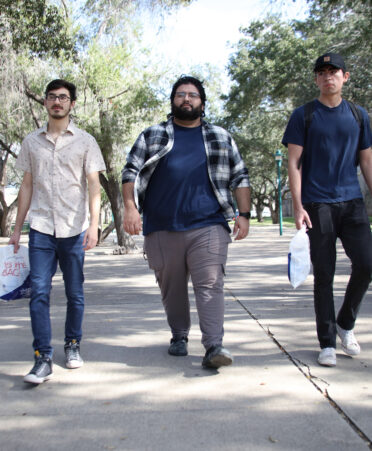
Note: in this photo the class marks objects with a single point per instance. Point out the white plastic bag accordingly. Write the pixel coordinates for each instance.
(14, 273)
(299, 258)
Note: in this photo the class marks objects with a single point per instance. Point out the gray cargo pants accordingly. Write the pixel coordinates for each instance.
(201, 254)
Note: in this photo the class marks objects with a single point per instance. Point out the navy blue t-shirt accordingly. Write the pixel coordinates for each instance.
(329, 168)
(179, 195)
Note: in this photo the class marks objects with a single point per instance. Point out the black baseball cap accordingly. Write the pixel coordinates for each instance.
(330, 59)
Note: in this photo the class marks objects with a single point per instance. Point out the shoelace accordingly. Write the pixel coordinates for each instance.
(73, 352)
(350, 338)
(39, 364)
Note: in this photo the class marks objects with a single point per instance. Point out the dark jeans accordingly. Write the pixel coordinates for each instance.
(45, 251)
(349, 222)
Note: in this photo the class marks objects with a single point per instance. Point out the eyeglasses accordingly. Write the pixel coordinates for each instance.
(63, 98)
(182, 95)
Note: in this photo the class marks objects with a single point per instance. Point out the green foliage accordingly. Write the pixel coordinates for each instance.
(272, 72)
(36, 26)
(273, 63)
(116, 101)
(105, 16)
(345, 27)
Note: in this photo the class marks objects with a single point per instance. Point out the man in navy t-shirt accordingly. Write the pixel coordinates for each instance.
(180, 175)
(327, 198)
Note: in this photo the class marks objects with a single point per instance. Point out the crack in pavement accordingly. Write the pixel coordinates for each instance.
(307, 374)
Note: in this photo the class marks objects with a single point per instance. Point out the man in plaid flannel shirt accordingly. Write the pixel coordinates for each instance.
(180, 175)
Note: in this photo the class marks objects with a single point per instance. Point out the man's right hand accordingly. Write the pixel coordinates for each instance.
(14, 239)
(301, 217)
(132, 221)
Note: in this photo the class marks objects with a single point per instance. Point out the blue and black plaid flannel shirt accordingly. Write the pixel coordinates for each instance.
(226, 167)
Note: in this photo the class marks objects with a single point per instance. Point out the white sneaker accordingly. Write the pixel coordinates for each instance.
(349, 343)
(327, 357)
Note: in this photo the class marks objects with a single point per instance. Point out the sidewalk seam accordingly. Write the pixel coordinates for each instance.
(309, 376)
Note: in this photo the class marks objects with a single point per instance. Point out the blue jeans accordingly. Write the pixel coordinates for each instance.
(44, 252)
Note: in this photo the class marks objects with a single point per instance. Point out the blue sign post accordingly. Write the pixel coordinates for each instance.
(278, 159)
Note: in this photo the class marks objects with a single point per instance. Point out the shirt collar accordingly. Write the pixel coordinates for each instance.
(71, 128)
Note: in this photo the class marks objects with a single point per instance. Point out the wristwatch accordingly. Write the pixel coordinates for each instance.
(246, 215)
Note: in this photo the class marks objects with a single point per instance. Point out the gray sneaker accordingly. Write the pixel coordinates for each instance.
(217, 356)
(72, 353)
(41, 371)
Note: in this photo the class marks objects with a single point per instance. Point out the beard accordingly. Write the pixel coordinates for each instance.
(183, 114)
(59, 113)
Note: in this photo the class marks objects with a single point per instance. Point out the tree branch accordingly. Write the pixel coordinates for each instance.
(2, 200)
(7, 148)
(32, 95)
(65, 8)
(34, 117)
(104, 181)
(117, 95)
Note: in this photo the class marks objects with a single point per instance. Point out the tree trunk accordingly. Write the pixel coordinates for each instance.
(259, 211)
(7, 214)
(106, 232)
(259, 207)
(111, 184)
(7, 218)
(274, 214)
(112, 188)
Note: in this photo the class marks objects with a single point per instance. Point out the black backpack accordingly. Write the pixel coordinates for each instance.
(309, 112)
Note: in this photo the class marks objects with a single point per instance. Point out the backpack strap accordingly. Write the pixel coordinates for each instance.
(359, 118)
(309, 112)
(356, 113)
(309, 108)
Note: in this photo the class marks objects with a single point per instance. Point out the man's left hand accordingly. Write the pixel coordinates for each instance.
(90, 238)
(241, 228)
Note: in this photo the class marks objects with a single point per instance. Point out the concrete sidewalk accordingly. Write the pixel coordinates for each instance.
(131, 395)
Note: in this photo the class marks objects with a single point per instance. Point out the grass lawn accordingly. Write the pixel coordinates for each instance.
(287, 222)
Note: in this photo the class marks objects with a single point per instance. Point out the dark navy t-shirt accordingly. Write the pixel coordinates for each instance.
(329, 168)
(179, 195)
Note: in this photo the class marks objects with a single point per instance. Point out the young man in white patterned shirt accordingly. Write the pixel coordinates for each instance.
(59, 162)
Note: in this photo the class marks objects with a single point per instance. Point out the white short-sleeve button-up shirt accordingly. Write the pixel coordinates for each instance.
(59, 169)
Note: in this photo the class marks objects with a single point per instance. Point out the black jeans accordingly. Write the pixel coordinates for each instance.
(349, 222)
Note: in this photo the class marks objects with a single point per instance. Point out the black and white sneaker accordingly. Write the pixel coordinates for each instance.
(217, 356)
(72, 353)
(41, 371)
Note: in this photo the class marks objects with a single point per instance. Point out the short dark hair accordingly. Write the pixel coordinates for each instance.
(188, 80)
(56, 84)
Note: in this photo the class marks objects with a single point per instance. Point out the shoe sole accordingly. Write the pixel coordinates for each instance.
(348, 352)
(177, 354)
(326, 364)
(218, 360)
(32, 379)
(73, 364)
